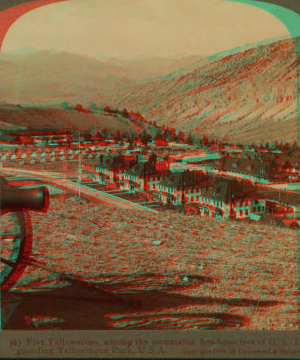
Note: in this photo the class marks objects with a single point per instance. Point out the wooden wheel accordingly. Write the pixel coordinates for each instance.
(15, 228)
(15, 245)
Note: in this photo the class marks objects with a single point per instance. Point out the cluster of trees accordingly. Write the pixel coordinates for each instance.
(167, 133)
(281, 145)
(125, 113)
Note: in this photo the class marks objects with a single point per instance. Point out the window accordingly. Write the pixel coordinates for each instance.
(241, 212)
(258, 208)
(263, 208)
(197, 198)
(153, 186)
(246, 211)
(192, 198)
(232, 211)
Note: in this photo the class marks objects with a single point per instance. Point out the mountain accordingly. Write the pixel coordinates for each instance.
(242, 96)
(179, 56)
(50, 77)
(154, 67)
(16, 116)
(23, 51)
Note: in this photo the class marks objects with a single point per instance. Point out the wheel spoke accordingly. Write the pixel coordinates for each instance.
(10, 235)
(7, 262)
(15, 241)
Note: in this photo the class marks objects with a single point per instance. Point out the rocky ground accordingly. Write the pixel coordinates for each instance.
(190, 273)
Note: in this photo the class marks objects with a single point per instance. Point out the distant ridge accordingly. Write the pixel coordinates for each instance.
(247, 93)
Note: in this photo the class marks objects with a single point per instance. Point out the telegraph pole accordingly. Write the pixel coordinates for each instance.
(79, 162)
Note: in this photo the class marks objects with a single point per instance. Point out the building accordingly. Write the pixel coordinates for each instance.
(108, 168)
(143, 176)
(248, 168)
(181, 187)
(231, 199)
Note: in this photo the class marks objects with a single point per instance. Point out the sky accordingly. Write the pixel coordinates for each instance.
(135, 28)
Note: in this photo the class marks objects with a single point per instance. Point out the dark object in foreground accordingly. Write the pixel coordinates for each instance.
(15, 199)
(15, 228)
(16, 245)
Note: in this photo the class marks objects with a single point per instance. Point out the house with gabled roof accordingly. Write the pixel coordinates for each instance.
(142, 176)
(246, 167)
(231, 198)
(108, 167)
(282, 199)
(182, 187)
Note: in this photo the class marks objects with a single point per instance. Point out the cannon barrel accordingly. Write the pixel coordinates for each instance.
(17, 199)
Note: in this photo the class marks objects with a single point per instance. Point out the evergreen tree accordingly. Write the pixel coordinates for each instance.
(93, 107)
(190, 139)
(65, 105)
(117, 136)
(158, 135)
(99, 135)
(181, 136)
(104, 133)
(144, 137)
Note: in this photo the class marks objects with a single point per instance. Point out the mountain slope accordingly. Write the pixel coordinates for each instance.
(49, 77)
(244, 96)
(36, 118)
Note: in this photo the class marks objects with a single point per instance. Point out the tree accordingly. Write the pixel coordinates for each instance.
(286, 146)
(117, 136)
(181, 136)
(145, 137)
(46, 141)
(99, 135)
(104, 133)
(190, 139)
(87, 135)
(93, 107)
(205, 140)
(130, 140)
(65, 105)
(158, 135)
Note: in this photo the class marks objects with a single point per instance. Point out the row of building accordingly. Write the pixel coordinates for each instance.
(270, 168)
(209, 195)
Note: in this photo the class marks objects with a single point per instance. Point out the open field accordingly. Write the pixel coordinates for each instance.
(286, 186)
(200, 274)
(54, 117)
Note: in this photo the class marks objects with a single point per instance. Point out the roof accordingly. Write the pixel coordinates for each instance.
(287, 222)
(254, 217)
(268, 217)
(164, 193)
(210, 207)
(229, 190)
(248, 165)
(186, 179)
(143, 169)
(109, 162)
(279, 196)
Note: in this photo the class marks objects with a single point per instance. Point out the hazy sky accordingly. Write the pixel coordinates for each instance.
(129, 28)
